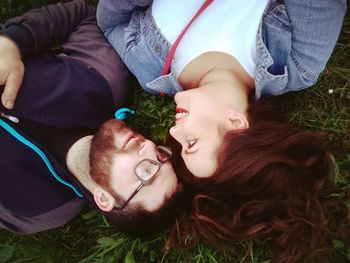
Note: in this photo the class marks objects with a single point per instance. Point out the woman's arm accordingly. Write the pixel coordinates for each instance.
(111, 13)
(315, 29)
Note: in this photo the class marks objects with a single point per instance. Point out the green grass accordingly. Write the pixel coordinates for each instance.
(89, 238)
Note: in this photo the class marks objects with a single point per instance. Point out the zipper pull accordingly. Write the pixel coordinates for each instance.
(9, 117)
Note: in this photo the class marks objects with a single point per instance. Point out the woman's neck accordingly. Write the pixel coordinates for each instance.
(214, 66)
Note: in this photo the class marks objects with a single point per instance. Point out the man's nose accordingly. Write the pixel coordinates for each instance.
(147, 150)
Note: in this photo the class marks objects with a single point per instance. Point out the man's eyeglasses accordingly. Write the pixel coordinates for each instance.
(147, 169)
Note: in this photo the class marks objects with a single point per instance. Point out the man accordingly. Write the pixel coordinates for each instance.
(45, 135)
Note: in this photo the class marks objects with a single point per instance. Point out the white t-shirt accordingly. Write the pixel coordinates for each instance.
(228, 26)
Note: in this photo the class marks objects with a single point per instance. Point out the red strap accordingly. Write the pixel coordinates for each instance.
(171, 53)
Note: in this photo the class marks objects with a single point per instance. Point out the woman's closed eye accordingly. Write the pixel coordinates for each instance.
(190, 144)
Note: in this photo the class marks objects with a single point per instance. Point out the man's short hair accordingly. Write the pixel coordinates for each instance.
(137, 221)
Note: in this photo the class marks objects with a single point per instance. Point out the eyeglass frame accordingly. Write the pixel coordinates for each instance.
(145, 182)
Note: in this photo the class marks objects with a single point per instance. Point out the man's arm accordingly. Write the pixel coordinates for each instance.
(34, 32)
(40, 29)
(315, 30)
(11, 71)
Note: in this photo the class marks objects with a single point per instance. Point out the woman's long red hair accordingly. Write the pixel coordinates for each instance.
(272, 182)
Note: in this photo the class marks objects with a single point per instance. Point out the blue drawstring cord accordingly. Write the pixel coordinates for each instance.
(122, 113)
(23, 140)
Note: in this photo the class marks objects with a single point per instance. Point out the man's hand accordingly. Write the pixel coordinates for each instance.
(11, 71)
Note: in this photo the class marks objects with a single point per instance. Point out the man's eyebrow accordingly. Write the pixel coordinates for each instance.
(190, 152)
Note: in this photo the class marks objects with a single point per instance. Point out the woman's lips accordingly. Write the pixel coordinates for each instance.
(180, 110)
(180, 113)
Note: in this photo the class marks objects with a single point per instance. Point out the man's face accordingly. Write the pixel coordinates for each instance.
(131, 149)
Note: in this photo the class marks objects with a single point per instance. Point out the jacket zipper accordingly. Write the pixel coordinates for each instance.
(34, 148)
(9, 117)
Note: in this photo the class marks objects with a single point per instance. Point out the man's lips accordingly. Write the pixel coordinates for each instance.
(127, 139)
(180, 113)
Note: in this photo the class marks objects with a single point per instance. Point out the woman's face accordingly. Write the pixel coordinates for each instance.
(202, 120)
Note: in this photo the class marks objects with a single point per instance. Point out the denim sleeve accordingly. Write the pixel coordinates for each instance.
(112, 13)
(316, 27)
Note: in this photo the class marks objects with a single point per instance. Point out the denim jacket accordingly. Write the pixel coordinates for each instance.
(294, 42)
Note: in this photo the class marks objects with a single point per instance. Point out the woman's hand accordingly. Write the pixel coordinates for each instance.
(11, 71)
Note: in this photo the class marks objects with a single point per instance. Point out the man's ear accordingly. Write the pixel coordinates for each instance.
(235, 120)
(103, 199)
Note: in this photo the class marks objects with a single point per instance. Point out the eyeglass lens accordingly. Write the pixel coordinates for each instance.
(146, 169)
(163, 153)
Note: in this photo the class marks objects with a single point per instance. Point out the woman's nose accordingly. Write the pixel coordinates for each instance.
(179, 96)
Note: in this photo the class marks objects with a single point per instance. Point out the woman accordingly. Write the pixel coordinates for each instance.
(232, 49)
(254, 175)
